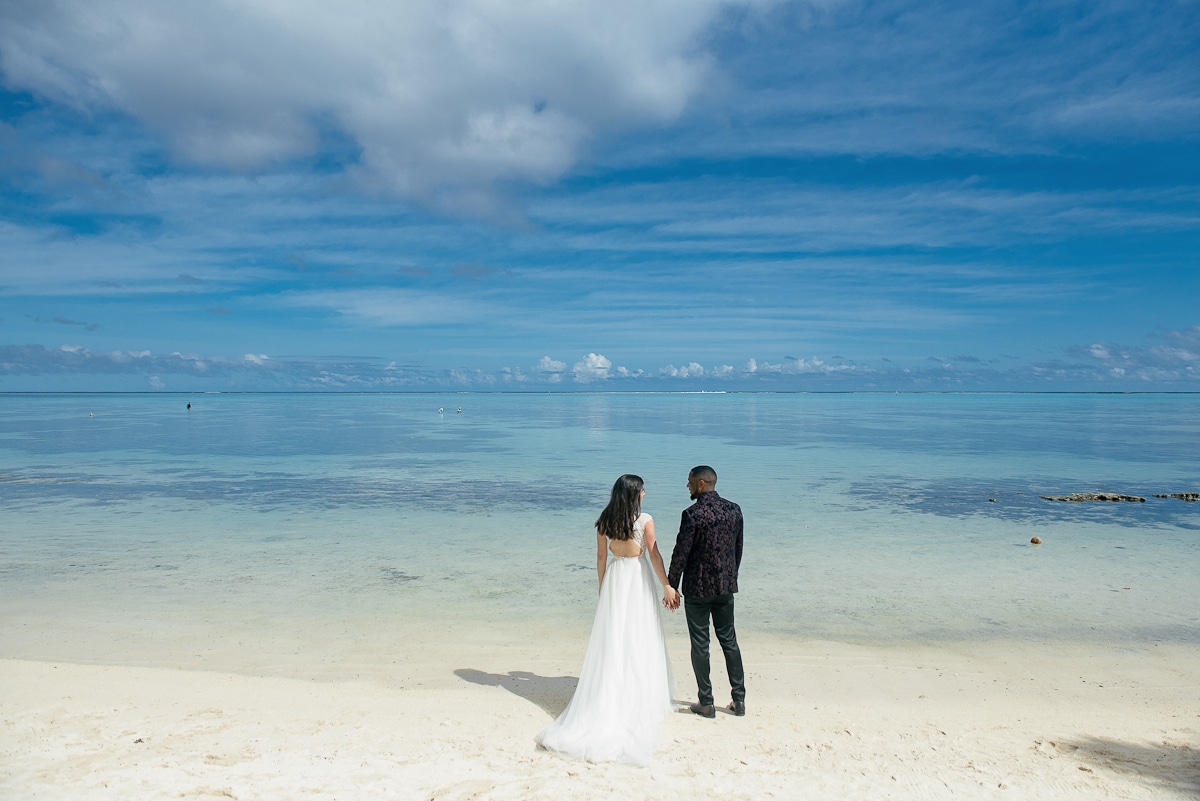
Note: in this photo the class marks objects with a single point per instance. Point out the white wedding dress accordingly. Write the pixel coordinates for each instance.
(625, 686)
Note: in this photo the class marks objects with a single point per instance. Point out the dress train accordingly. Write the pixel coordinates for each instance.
(625, 685)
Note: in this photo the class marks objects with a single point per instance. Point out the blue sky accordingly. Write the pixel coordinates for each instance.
(628, 196)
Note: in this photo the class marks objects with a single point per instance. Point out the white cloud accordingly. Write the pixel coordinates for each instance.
(513, 375)
(469, 378)
(802, 366)
(1176, 359)
(551, 369)
(441, 100)
(690, 370)
(814, 366)
(194, 362)
(548, 365)
(393, 307)
(697, 370)
(592, 367)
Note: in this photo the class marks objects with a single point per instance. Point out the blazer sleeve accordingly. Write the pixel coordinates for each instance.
(683, 547)
(738, 546)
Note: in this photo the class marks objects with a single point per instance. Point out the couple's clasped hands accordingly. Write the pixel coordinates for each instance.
(671, 598)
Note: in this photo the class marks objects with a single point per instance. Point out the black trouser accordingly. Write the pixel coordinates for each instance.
(720, 609)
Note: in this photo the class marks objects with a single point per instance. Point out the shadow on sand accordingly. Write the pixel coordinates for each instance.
(551, 693)
(1172, 766)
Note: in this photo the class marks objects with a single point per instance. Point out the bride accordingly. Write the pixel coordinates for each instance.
(625, 686)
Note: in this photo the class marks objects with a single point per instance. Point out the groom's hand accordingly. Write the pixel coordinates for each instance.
(671, 599)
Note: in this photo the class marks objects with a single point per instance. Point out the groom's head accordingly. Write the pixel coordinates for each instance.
(701, 479)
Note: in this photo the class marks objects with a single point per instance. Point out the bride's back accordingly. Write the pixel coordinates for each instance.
(634, 545)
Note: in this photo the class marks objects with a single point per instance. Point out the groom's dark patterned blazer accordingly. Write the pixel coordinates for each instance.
(708, 550)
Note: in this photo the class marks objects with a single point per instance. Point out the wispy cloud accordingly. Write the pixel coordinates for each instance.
(85, 326)
(393, 307)
(766, 215)
(471, 272)
(923, 78)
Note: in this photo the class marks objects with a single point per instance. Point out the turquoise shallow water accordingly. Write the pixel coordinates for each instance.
(134, 526)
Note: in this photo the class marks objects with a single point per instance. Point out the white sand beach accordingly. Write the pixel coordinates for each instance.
(452, 720)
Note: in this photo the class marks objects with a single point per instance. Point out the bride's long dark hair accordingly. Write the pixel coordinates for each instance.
(616, 521)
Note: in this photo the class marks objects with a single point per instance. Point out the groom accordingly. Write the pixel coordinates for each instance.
(708, 552)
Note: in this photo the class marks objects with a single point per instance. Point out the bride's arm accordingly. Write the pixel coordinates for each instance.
(601, 556)
(656, 561)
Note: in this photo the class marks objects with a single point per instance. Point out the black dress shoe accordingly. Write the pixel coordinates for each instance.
(704, 710)
(737, 708)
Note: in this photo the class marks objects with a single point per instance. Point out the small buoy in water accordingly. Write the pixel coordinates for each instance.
(1036, 541)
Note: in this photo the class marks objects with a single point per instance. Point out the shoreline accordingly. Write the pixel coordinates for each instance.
(456, 719)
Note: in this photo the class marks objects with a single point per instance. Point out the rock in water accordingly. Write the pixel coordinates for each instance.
(1094, 496)
(1190, 497)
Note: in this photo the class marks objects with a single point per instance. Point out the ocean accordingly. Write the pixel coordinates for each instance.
(318, 534)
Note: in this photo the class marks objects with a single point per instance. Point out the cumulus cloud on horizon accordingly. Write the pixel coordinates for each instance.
(592, 367)
(1173, 360)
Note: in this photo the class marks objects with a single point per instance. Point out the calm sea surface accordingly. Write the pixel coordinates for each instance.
(132, 528)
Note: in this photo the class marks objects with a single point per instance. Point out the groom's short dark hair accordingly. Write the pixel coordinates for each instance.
(705, 474)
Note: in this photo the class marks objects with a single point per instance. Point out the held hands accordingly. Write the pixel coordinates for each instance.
(671, 598)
